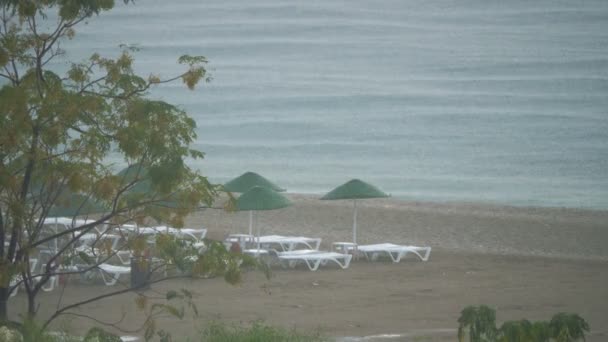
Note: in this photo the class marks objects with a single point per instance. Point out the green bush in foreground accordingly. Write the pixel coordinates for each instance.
(258, 332)
(479, 323)
(214, 332)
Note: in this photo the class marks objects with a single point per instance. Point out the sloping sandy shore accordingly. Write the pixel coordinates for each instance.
(525, 262)
(480, 228)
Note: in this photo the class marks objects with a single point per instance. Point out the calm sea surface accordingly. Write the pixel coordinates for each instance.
(485, 101)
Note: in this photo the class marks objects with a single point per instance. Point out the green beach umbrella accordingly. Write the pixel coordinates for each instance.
(144, 186)
(247, 181)
(354, 189)
(260, 198)
(139, 173)
(71, 205)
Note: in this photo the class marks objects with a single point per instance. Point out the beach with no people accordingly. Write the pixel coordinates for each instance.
(524, 262)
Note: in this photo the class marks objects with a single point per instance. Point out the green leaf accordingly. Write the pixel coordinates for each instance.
(3, 57)
(86, 258)
(99, 335)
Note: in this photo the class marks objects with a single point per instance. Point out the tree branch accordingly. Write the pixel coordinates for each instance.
(2, 235)
(23, 194)
(135, 91)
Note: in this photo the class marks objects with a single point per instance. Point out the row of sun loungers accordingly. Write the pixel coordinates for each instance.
(288, 250)
(292, 250)
(113, 242)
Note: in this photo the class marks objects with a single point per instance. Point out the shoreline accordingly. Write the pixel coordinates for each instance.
(457, 202)
(565, 233)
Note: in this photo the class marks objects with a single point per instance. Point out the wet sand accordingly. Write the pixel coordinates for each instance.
(524, 262)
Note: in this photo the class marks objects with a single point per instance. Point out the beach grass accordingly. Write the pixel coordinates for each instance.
(257, 332)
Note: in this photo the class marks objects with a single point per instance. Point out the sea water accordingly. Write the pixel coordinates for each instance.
(483, 101)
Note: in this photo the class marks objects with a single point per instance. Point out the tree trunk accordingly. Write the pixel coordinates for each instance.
(3, 304)
(31, 305)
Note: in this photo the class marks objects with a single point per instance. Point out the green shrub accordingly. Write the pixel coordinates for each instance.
(566, 327)
(257, 332)
(481, 324)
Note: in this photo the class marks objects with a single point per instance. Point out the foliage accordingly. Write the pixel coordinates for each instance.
(33, 332)
(154, 310)
(99, 335)
(567, 327)
(481, 322)
(10, 335)
(258, 332)
(60, 130)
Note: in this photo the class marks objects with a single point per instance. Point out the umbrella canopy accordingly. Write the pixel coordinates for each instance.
(260, 198)
(72, 205)
(247, 181)
(130, 173)
(354, 189)
(144, 186)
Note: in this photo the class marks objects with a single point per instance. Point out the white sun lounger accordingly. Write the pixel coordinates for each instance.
(289, 243)
(16, 279)
(314, 259)
(114, 272)
(198, 234)
(395, 252)
(124, 256)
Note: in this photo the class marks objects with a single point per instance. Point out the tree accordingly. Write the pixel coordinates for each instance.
(481, 321)
(58, 131)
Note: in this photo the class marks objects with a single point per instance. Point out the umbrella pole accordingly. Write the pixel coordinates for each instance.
(56, 244)
(250, 222)
(355, 221)
(258, 229)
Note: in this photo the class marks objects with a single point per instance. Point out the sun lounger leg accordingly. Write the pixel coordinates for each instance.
(397, 257)
(50, 284)
(425, 257)
(347, 259)
(314, 266)
(427, 254)
(113, 278)
(124, 257)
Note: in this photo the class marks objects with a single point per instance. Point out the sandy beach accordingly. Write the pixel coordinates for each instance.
(524, 262)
